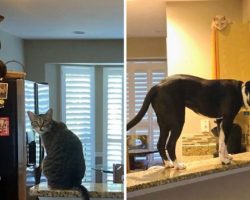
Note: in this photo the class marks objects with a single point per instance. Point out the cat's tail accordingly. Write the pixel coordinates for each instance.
(85, 192)
(150, 95)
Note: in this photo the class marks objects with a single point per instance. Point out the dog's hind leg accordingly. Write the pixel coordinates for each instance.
(175, 134)
(177, 122)
(162, 143)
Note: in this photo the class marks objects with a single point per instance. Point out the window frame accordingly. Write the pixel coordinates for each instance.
(149, 67)
(119, 71)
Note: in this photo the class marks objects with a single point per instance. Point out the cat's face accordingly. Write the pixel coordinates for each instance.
(220, 22)
(41, 123)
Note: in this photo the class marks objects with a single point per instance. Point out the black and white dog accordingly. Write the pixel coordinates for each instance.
(211, 98)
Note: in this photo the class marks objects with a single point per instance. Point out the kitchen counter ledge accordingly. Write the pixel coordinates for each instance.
(96, 190)
(159, 176)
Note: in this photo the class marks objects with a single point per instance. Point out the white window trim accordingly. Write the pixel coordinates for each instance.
(105, 119)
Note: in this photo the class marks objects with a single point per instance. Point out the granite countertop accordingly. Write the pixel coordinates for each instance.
(158, 175)
(96, 190)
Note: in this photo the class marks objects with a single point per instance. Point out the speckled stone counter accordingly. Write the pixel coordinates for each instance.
(158, 176)
(96, 190)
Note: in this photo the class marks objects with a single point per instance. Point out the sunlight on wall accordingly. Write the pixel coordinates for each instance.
(184, 52)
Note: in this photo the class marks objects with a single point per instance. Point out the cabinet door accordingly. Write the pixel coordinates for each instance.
(8, 187)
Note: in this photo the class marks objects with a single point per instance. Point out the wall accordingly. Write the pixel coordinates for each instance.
(189, 34)
(43, 58)
(146, 47)
(40, 52)
(234, 52)
(189, 41)
(11, 49)
(246, 11)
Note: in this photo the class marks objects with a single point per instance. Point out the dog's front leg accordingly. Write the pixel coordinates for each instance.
(229, 156)
(222, 149)
(225, 158)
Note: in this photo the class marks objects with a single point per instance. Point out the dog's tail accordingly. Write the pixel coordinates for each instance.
(84, 191)
(152, 92)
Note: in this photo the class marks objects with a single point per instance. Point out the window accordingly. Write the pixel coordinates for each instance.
(78, 110)
(92, 107)
(113, 117)
(141, 76)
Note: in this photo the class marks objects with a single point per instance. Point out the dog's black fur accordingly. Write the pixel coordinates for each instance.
(211, 98)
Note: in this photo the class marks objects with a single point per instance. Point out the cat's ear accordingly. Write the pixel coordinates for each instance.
(49, 113)
(31, 115)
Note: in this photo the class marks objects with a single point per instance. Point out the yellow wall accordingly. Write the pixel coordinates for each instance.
(234, 52)
(146, 47)
(189, 34)
(189, 42)
(245, 10)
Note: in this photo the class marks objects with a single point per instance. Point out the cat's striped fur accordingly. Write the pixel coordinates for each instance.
(64, 164)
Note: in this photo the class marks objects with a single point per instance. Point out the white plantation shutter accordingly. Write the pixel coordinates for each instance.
(78, 90)
(42, 92)
(113, 118)
(29, 103)
(30, 106)
(141, 76)
(43, 97)
(157, 76)
(141, 88)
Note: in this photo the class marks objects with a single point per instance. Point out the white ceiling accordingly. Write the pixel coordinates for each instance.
(57, 19)
(99, 19)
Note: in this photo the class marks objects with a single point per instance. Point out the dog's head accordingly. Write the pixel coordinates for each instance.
(246, 94)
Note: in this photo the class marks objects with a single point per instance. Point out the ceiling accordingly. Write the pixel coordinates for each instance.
(98, 19)
(146, 18)
(58, 19)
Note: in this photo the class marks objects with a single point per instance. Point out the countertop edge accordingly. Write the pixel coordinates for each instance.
(168, 184)
(72, 193)
(187, 176)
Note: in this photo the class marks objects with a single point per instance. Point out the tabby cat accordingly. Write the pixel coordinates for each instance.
(64, 164)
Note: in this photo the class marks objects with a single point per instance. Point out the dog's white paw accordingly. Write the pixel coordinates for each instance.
(179, 166)
(229, 156)
(225, 161)
(168, 164)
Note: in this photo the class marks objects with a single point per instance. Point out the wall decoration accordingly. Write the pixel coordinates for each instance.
(220, 22)
(137, 141)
